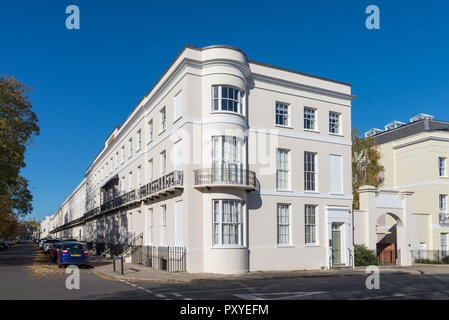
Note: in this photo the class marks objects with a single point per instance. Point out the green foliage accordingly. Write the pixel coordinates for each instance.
(363, 256)
(18, 123)
(365, 164)
(446, 259)
(427, 261)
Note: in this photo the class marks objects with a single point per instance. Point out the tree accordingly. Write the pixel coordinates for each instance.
(365, 164)
(18, 124)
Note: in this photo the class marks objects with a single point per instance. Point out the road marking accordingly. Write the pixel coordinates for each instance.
(283, 295)
(141, 288)
(159, 295)
(148, 291)
(177, 294)
(247, 296)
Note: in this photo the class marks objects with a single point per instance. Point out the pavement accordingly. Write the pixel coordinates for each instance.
(26, 273)
(137, 272)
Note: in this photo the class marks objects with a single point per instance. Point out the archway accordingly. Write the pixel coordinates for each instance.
(387, 239)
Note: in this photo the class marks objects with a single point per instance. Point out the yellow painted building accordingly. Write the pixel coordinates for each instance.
(415, 156)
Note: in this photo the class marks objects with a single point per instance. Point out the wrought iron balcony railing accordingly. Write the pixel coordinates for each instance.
(174, 179)
(225, 176)
(169, 181)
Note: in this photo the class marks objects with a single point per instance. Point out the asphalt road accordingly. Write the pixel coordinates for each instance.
(25, 273)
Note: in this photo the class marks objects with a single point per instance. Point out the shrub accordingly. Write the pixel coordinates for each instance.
(363, 256)
(446, 259)
(426, 261)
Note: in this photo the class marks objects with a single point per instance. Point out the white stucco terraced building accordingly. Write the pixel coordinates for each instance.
(234, 164)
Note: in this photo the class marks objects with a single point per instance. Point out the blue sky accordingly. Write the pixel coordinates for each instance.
(87, 81)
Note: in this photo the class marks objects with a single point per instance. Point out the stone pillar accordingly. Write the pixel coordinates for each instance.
(407, 232)
(366, 221)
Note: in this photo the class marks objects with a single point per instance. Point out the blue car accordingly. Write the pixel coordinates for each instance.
(73, 253)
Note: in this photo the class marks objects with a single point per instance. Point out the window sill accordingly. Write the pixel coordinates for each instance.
(311, 245)
(162, 131)
(149, 141)
(281, 126)
(285, 246)
(311, 192)
(229, 247)
(311, 131)
(177, 119)
(336, 134)
(443, 177)
(284, 190)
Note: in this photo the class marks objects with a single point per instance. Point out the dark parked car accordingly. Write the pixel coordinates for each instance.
(3, 245)
(56, 246)
(73, 253)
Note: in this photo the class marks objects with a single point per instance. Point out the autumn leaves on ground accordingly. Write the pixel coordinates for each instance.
(42, 265)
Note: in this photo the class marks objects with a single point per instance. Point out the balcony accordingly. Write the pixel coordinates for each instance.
(162, 186)
(168, 183)
(225, 177)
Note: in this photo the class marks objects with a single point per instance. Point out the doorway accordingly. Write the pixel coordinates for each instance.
(336, 244)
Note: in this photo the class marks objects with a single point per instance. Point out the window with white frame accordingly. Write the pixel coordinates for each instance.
(163, 119)
(116, 159)
(130, 181)
(123, 154)
(139, 176)
(334, 122)
(442, 167)
(150, 130)
(163, 162)
(227, 223)
(309, 119)
(177, 106)
(151, 226)
(310, 224)
(225, 98)
(444, 244)
(282, 169)
(226, 150)
(443, 207)
(283, 224)
(282, 117)
(163, 224)
(130, 146)
(139, 139)
(150, 170)
(309, 171)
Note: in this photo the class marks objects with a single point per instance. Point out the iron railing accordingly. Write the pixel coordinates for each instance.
(430, 256)
(174, 179)
(227, 175)
(168, 258)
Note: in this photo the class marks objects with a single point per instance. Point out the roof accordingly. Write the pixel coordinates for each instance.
(410, 129)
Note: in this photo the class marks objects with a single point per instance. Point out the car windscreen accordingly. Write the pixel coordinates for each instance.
(73, 246)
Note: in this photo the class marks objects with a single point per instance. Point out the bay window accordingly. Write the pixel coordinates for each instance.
(226, 158)
(227, 223)
(226, 98)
